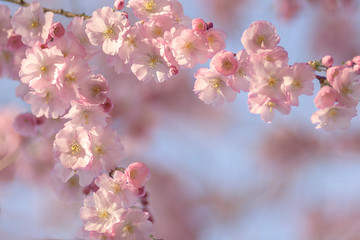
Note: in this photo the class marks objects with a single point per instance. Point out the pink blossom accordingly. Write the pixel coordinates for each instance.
(40, 67)
(189, 49)
(265, 106)
(260, 35)
(69, 46)
(335, 117)
(100, 212)
(68, 190)
(25, 124)
(94, 89)
(134, 225)
(148, 64)
(347, 83)
(137, 174)
(326, 97)
(212, 88)
(144, 9)
(57, 30)
(268, 78)
(32, 24)
(215, 40)
(14, 41)
(297, 81)
(106, 147)
(125, 194)
(332, 72)
(106, 28)
(72, 147)
(199, 25)
(224, 62)
(240, 79)
(275, 56)
(48, 102)
(86, 115)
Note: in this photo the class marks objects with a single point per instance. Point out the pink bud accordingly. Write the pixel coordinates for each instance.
(209, 25)
(125, 14)
(327, 61)
(14, 41)
(356, 59)
(57, 30)
(119, 4)
(349, 63)
(173, 71)
(25, 124)
(199, 25)
(107, 105)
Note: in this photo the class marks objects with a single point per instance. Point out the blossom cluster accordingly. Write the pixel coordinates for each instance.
(339, 94)
(261, 69)
(113, 211)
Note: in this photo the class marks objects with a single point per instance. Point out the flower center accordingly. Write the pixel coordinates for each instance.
(75, 147)
(70, 77)
(103, 215)
(149, 6)
(109, 32)
(34, 24)
(215, 83)
(129, 229)
(271, 105)
(272, 81)
(153, 62)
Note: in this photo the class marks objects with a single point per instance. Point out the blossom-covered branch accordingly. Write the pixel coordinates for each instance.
(56, 11)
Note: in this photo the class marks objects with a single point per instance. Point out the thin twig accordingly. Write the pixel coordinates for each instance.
(56, 11)
(322, 80)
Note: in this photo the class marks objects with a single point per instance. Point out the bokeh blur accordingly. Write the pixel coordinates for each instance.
(217, 173)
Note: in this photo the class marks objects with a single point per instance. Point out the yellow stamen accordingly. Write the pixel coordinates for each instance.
(133, 174)
(188, 46)
(211, 40)
(297, 84)
(158, 31)
(75, 147)
(215, 83)
(332, 113)
(103, 214)
(99, 150)
(153, 62)
(74, 181)
(116, 188)
(109, 32)
(227, 64)
(131, 41)
(260, 40)
(44, 68)
(346, 90)
(86, 114)
(70, 77)
(272, 81)
(149, 6)
(47, 98)
(271, 105)
(129, 229)
(34, 24)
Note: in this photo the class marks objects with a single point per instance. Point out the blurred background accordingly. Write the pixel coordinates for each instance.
(217, 173)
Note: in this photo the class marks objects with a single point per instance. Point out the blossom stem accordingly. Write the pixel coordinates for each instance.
(56, 11)
(322, 80)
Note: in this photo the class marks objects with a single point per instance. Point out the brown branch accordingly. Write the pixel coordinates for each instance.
(322, 80)
(56, 11)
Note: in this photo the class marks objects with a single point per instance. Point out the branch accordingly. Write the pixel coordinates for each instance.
(56, 11)
(322, 80)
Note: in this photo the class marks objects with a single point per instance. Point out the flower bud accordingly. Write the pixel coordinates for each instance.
(57, 30)
(119, 4)
(327, 61)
